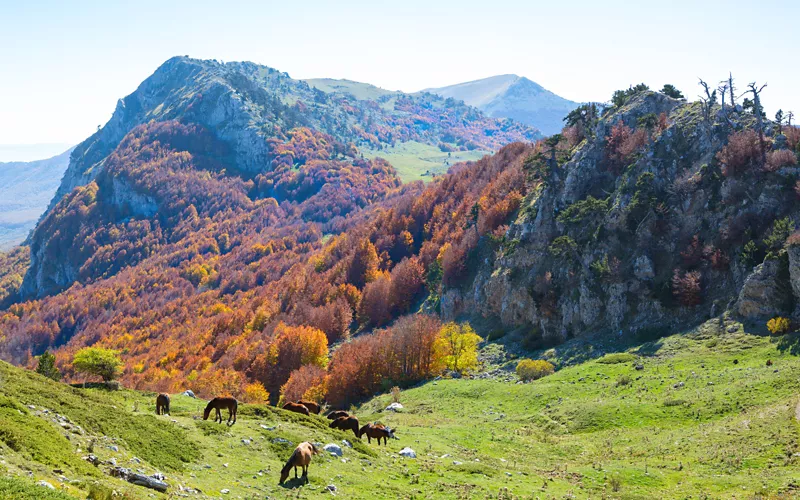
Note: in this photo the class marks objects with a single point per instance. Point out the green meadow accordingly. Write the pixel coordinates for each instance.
(710, 413)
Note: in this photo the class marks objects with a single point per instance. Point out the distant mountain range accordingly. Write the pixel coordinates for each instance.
(25, 190)
(512, 96)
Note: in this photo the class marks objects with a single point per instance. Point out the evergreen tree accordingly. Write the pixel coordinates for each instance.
(47, 366)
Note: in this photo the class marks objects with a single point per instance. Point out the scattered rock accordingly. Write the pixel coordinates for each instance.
(280, 440)
(678, 385)
(456, 462)
(333, 449)
(394, 407)
(225, 491)
(331, 488)
(45, 484)
(347, 443)
(246, 442)
(408, 453)
(92, 460)
(639, 367)
(140, 479)
(266, 427)
(114, 447)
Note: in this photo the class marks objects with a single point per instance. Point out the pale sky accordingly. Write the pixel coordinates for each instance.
(65, 64)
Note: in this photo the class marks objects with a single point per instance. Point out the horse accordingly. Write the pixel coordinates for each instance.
(220, 403)
(312, 406)
(301, 457)
(377, 431)
(162, 404)
(345, 423)
(336, 414)
(296, 407)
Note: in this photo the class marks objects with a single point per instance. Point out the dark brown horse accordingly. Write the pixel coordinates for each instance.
(162, 404)
(346, 423)
(221, 403)
(296, 407)
(377, 431)
(336, 414)
(301, 457)
(312, 406)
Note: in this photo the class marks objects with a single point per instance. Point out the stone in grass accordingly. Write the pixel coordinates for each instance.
(189, 393)
(45, 484)
(333, 449)
(225, 491)
(408, 453)
(331, 488)
(347, 443)
(394, 407)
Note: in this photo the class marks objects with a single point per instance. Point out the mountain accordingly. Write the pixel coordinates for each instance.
(254, 116)
(320, 273)
(245, 104)
(512, 96)
(25, 190)
(30, 152)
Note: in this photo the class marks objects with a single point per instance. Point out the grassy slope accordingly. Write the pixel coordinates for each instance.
(416, 161)
(729, 431)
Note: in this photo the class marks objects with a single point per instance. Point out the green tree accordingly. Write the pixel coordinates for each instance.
(671, 91)
(458, 346)
(104, 363)
(47, 366)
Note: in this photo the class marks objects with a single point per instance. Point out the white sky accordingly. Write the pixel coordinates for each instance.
(63, 65)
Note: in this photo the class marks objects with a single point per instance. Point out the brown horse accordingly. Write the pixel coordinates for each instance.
(336, 414)
(162, 404)
(346, 423)
(221, 403)
(301, 457)
(296, 407)
(377, 431)
(312, 406)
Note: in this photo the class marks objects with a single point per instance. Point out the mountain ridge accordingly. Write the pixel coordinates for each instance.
(515, 97)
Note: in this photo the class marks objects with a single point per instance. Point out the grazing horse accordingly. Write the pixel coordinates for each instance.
(296, 407)
(336, 414)
(301, 457)
(377, 431)
(312, 406)
(346, 423)
(162, 404)
(220, 403)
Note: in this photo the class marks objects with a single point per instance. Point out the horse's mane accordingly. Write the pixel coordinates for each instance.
(289, 462)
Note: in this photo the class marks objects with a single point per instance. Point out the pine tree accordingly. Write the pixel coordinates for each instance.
(47, 366)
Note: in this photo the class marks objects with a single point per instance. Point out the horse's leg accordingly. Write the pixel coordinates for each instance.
(295, 472)
(219, 416)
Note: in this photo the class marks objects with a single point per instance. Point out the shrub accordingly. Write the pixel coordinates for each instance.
(532, 369)
(779, 159)
(781, 229)
(671, 91)
(778, 325)
(578, 212)
(616, 358)
(255, 393)
(624, 380)
(687, 288)
(620, 97)
(622, 143)
(740, 154)
(104, 363)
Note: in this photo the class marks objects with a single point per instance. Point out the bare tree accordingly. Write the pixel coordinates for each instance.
(789, 117)
(708, 101)
(731, 89)
(755, 90)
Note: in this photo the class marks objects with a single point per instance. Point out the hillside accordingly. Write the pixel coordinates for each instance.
(512, 96)
(640, 221)
(598, 428)
(25, 190)
(246, 105)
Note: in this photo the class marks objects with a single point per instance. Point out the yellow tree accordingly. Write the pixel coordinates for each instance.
(457, 345)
